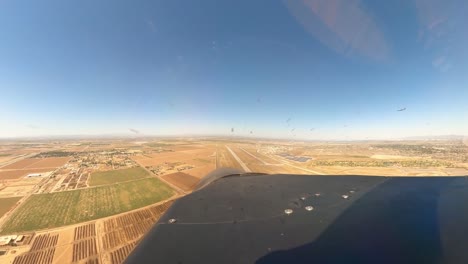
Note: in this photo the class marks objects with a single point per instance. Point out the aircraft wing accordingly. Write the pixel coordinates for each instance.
(257, 218)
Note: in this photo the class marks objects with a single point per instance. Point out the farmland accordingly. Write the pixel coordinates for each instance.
(34, 163)
(201, 171)
(49, 163)
(16, 174)
(21, 187)
(119, 232)
(114, 176)
(7, 203)
(27, 166)
(104, 195)
(20, 164)
(182, 180)
(196, 160)
(109, 240)
(70, 207)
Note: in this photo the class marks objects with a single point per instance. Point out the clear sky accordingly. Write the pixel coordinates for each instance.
(313, 69)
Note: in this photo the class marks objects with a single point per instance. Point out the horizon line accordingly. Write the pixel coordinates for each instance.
(252, 137)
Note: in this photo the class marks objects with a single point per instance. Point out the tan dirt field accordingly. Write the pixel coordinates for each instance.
(201, 162)
(16, 191)
(7, 203)
(185, 147)
(64, 250)
(25, 181)
(163, 155)
(391, 157)
(391, 171)
(190, 156)
(338, 170)
(161, 158)
(16, 174)
(199, 152)
(20, 164)
(37, 163)
(182, 180)
(7, 158)
(456, 171)
(175, 158)
(226, 160)
(201, 172)
(49, 163)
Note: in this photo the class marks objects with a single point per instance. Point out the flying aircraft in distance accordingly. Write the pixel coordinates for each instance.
(236, 217)
(401, 110)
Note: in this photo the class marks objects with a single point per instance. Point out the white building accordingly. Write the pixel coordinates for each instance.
(34, 175)
(5, 240)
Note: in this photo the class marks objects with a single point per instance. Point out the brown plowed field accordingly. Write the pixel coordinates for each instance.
(92, 261)
(20, 164)
(27, 239)
(49, 163)
(131, 226)
(84, 249)
(37, 163)
(36, 257)
(182, 180)
(16, 174)
(85, 231)
(132, 229)
(119, 255)
(158, 210)
(44, 241)
(6, 204)
(112, 240)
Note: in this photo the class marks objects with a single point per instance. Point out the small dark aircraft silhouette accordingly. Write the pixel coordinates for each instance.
(401, 110)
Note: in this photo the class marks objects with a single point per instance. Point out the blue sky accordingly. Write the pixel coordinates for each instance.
(336, 69)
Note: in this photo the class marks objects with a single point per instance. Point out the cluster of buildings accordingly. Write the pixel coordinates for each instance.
(11, 240)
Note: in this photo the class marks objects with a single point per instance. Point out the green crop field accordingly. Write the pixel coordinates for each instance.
(64, 208)
(115, 176)
(7, 203)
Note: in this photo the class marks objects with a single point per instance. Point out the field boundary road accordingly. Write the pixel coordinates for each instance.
(246, 169)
